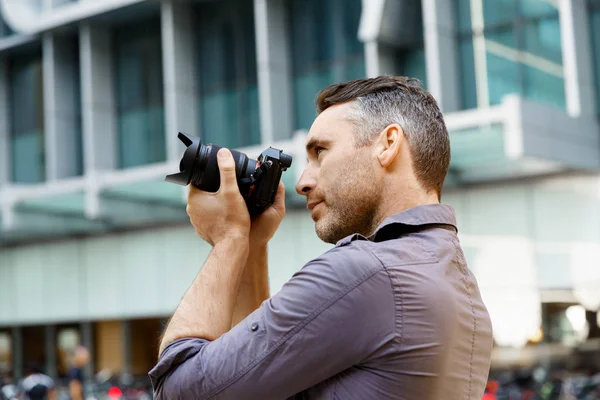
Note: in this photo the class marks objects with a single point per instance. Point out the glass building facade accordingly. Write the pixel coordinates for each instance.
(226, 65)
(26, 96)
(509, 46)
(324, 49)
(139, 93)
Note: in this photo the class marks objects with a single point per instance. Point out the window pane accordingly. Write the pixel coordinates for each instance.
(467, 73)
(523, 54)
(463, 15)
(503, 71)
(409, 55)
(27, 118)
(226, 61)
(542, 38)
(498, 12)
(537, 8)
(324, 48)
(543, 87)
(412, 64)
(141, 127)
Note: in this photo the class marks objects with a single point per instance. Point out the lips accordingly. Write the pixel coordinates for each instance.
(312, 204)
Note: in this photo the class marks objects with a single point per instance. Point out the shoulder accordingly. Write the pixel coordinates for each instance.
(347, 263)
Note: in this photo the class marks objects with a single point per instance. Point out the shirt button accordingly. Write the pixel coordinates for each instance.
(254, 327)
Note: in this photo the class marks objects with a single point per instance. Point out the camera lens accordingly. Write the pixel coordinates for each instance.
(199, 166)
(206, 175)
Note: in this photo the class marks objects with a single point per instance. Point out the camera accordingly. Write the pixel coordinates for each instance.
(256, 179)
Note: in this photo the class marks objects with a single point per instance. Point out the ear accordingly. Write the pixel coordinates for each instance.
(390, 144)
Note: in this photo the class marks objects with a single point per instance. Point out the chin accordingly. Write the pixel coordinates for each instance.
(325, 233)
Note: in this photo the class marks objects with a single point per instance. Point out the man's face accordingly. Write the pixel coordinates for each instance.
(341, 182)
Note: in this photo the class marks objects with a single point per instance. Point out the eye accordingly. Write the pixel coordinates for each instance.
(318, 151)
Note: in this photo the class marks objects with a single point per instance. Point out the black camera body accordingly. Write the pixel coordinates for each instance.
(256, 179)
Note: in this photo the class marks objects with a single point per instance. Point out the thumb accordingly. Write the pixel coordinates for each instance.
(226, 169)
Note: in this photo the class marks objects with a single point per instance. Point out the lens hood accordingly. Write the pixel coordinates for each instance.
(186, 165)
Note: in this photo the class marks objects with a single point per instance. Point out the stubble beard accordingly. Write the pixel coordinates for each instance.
(351, 207)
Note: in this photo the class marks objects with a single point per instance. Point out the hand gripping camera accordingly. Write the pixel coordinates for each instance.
(256, 179)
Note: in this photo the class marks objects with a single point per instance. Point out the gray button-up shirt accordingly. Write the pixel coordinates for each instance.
(397, 315)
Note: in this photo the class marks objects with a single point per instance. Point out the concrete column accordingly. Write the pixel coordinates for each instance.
(577, 58)
(274, 71)
(61, 87)
(17, 354)
(380, 59)
(4, 125)
(368, 33)
(87, 336)
(387, 27)
(98, 102)
(441, 54)
(180, 80)
(50, 336)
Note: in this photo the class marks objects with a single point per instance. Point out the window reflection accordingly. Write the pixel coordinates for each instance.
(140, 106)
(226, 62)
(27, 117)
(324, 49)
(519, 51)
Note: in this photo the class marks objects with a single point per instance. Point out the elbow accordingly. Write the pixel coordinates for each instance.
(173, 386)
(178, 373)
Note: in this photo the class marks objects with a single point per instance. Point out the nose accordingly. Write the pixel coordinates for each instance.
(306, 183)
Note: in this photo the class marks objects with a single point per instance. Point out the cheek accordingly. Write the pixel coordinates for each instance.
(337, 176)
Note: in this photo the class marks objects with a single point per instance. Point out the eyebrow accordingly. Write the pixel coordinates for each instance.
(314, 143)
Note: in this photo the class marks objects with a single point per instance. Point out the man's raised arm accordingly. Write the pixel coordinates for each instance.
(221, 219)
(254, 286)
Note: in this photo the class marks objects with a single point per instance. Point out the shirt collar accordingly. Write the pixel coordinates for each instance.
(408, 220)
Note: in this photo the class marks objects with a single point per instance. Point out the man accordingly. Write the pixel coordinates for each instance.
(37, 386)
(391, 312)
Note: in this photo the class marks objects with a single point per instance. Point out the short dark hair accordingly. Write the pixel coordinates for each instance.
(385, 100)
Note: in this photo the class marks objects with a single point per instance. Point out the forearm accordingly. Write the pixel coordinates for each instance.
(206, 309)
(254, 286)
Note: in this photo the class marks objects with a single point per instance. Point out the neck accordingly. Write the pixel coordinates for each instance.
(402, 200)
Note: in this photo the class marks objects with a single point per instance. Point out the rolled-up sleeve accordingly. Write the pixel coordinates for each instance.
(331, 315)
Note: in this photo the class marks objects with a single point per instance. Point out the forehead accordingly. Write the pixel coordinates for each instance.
(332, 125)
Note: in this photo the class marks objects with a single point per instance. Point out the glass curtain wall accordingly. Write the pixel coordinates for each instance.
(27, 117)
(325, 49)
(226, 62)
(594, 8)
(139, 93)
(518, 51)
(411, 60)
(75, 105)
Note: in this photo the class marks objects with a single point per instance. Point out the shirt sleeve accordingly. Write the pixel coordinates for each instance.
(333, 314)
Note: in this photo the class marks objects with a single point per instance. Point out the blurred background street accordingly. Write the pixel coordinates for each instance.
(96, 249)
